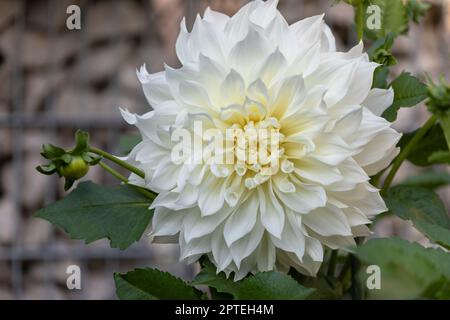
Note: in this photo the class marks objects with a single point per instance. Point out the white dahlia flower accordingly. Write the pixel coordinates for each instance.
(252, 72)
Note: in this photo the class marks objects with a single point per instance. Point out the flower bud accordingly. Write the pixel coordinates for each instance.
(73, 164)
(76, 169)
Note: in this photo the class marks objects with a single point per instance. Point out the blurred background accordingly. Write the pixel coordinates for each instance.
(54, 80)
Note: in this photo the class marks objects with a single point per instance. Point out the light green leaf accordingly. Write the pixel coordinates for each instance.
(153, 284)
(430, 180)
(408, 270)
(408, 92)
(93, 212)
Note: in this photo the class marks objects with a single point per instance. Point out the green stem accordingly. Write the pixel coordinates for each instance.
(356, 289)
(344, 269)
(360, 20)
(116, 174)
(332, 265)
(113, 172)
(117, 161)
(405, 152)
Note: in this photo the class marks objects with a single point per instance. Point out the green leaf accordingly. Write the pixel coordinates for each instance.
(408, 270)
(272, 286)
(425, 210)
(434, 232)
(93, 212)
(416, 203)
(261, 286)
(416, 10)
(153, 284)
(394, 18)
(408, 91)
(208, 276)
(439, 157)
(430, 180)
(433, 141)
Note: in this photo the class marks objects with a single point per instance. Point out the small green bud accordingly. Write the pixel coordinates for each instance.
(76, 169)
(73, 164)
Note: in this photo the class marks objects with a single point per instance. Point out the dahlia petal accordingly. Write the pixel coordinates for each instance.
(242, 221)
(305, 199)
(327, 221)
(272, 212)
(378, 100)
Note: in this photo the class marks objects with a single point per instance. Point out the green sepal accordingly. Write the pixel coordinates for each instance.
(48, 169)
(52, 152)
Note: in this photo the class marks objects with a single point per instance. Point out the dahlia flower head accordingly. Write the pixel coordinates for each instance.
(255, 71)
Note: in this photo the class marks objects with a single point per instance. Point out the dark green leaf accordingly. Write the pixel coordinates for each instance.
(272, 286)
(433, 141)
(408, 270)
(430, 180)
(93, 212)
(424, 208)
(416, 203)
(261, 286)
(408, 92)
(208, 276)
(152, 284)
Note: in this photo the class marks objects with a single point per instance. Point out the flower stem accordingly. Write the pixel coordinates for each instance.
(117, 161)
(356, 290)
(360, 20)
(332, 264)
(113, 172)
(116, 174)
(405, 152)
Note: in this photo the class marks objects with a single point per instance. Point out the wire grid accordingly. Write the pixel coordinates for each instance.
(51, 124)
